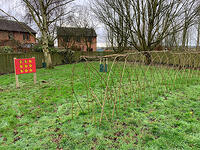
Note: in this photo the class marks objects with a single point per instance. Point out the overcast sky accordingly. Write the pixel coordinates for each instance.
(13, 7)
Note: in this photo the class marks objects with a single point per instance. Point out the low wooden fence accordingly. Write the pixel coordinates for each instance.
(181, 59)
(7, 60)
(187, 59)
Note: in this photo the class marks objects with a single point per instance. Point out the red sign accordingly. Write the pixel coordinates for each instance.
(26, 65)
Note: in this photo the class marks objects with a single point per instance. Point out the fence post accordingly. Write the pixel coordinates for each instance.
(16, 76)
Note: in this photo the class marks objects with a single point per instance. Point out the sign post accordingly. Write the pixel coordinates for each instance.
(16, 76)
(34, 78)
(24, 66)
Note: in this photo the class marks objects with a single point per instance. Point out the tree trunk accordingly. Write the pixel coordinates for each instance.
(198, 37)
(148, 58)
(187, 41)
(184, 38)
(47, 55)
(45, 40)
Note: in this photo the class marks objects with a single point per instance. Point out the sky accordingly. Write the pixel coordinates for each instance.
(13, 7)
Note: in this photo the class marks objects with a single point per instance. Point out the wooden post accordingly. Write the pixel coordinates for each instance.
(104, 65)
(34, 76)
(17, 81)
(16, 76)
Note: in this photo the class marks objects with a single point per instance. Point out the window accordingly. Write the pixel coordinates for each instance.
(10, 35)
(89, 39)
(78, 39)
(26, 36)
(66, 39)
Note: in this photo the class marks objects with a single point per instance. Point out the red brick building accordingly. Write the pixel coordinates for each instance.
(82, 39)
(13, 34)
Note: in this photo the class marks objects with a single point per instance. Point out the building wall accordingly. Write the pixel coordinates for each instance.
(94, 44)
(3, 35)
(79, 45)
(18, 36)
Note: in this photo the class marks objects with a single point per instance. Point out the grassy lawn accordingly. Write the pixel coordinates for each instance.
(156, 108)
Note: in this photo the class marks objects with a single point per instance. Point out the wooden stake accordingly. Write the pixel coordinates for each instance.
(17, 81)
(34, 78)
(16, 76)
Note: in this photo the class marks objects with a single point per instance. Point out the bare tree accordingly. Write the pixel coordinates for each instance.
(45, 13)
(83, 17)
(198, 36)
(188, 22)
(118, 38)
(147, 22)
(198, 26)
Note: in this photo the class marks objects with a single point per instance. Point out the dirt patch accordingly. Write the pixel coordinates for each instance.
(44, 81)
(1, 89)
(17, 139)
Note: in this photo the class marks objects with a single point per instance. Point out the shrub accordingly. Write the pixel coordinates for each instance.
(53, 49)
(6, 49)
(69, 56)
(38, 48)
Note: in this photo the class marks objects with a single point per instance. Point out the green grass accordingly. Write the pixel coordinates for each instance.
(159, 108)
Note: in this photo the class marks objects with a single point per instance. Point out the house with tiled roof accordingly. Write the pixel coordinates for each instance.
(82, 39)
(13, 33)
